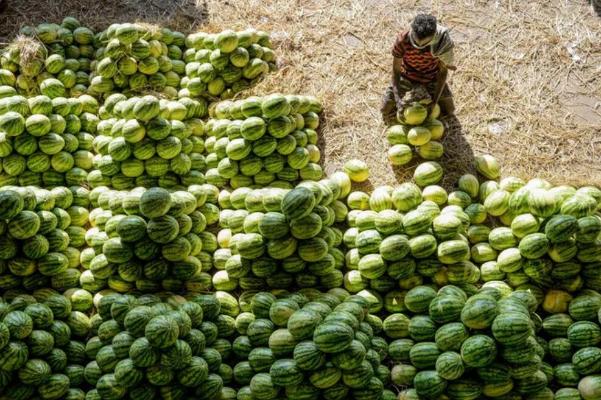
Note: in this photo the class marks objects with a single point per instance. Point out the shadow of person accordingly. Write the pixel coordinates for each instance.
(597, 6)
(458, 157)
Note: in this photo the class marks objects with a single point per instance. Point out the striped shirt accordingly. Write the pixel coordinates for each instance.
(422, 65)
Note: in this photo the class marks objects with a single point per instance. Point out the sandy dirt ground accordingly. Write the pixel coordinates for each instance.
(527, 88)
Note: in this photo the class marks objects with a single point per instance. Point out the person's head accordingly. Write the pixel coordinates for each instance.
(423, 28)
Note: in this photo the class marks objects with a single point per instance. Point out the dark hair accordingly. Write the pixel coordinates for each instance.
(424, 25)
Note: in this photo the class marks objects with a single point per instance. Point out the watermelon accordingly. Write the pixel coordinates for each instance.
(451, 336)
(449, 365)
(429, 384)
(424, 355)
(161, 331)
(584, 334)
(356, 170)
(488, 166)
(478, 351)
(589, 387)
(333, 337)
(298, 203)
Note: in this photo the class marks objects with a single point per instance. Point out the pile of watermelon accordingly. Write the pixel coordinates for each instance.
(263, 141)
(310, 345)
(45, 141)
(494, 344)
(540, 236)
(150, 347)
(280, 238)
(49, 58)
(147, 141)
(486, 344)
(135, 57)
(42, 232)
(146, 239)
(417, 132)
(156, 244)
(221, 65)
(42, 347)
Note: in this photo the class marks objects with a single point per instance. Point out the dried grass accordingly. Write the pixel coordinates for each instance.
(29, 49)
(513, 67)
(532, 67)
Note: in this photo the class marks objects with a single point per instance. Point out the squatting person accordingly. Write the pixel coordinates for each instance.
(422, 55)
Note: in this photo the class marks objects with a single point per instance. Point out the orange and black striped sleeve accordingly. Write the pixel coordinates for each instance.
(398, 49)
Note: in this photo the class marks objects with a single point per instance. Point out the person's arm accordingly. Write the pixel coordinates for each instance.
(396, 79)
(441, 80)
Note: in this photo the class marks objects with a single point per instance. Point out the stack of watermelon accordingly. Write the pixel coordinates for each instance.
(544, 236)
(526, 233)
(417, 131)
(572, 333)
(41, 232)
(46, 141)
(220, 65)
(50, 59)
(42, 347)
(279, 238)
(146, 348)
(137, 58)
(147, 239)
(144, 141)
(448, 343)
(399, 237)
(263, 141)
(309, 346)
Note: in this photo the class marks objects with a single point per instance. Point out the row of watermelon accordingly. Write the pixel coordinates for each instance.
(50, 58)
(71, 60)
(144, 141)
(46, 142)
(149, 240)
(148, 346)
(222, 65)
(544, 236)
(135, 142)
(209, 347)
(41, 234)
(131, 58)
(263, 141)
(280, 238)
(42, 347)
(489, 343)
(494, 342)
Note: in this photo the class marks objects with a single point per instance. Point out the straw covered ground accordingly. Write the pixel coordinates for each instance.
(527, 89)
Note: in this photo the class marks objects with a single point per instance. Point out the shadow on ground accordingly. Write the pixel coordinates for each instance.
(183, 15)
(597, 6)
(457, 159)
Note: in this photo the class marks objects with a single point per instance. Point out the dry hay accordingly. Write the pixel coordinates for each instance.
(28, 49)
(98, 14)
(527, 89)
(515, 69)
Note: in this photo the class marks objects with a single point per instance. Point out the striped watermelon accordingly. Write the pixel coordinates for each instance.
(429, 384)
(449, 365)
(333, 337)
(478, 351)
